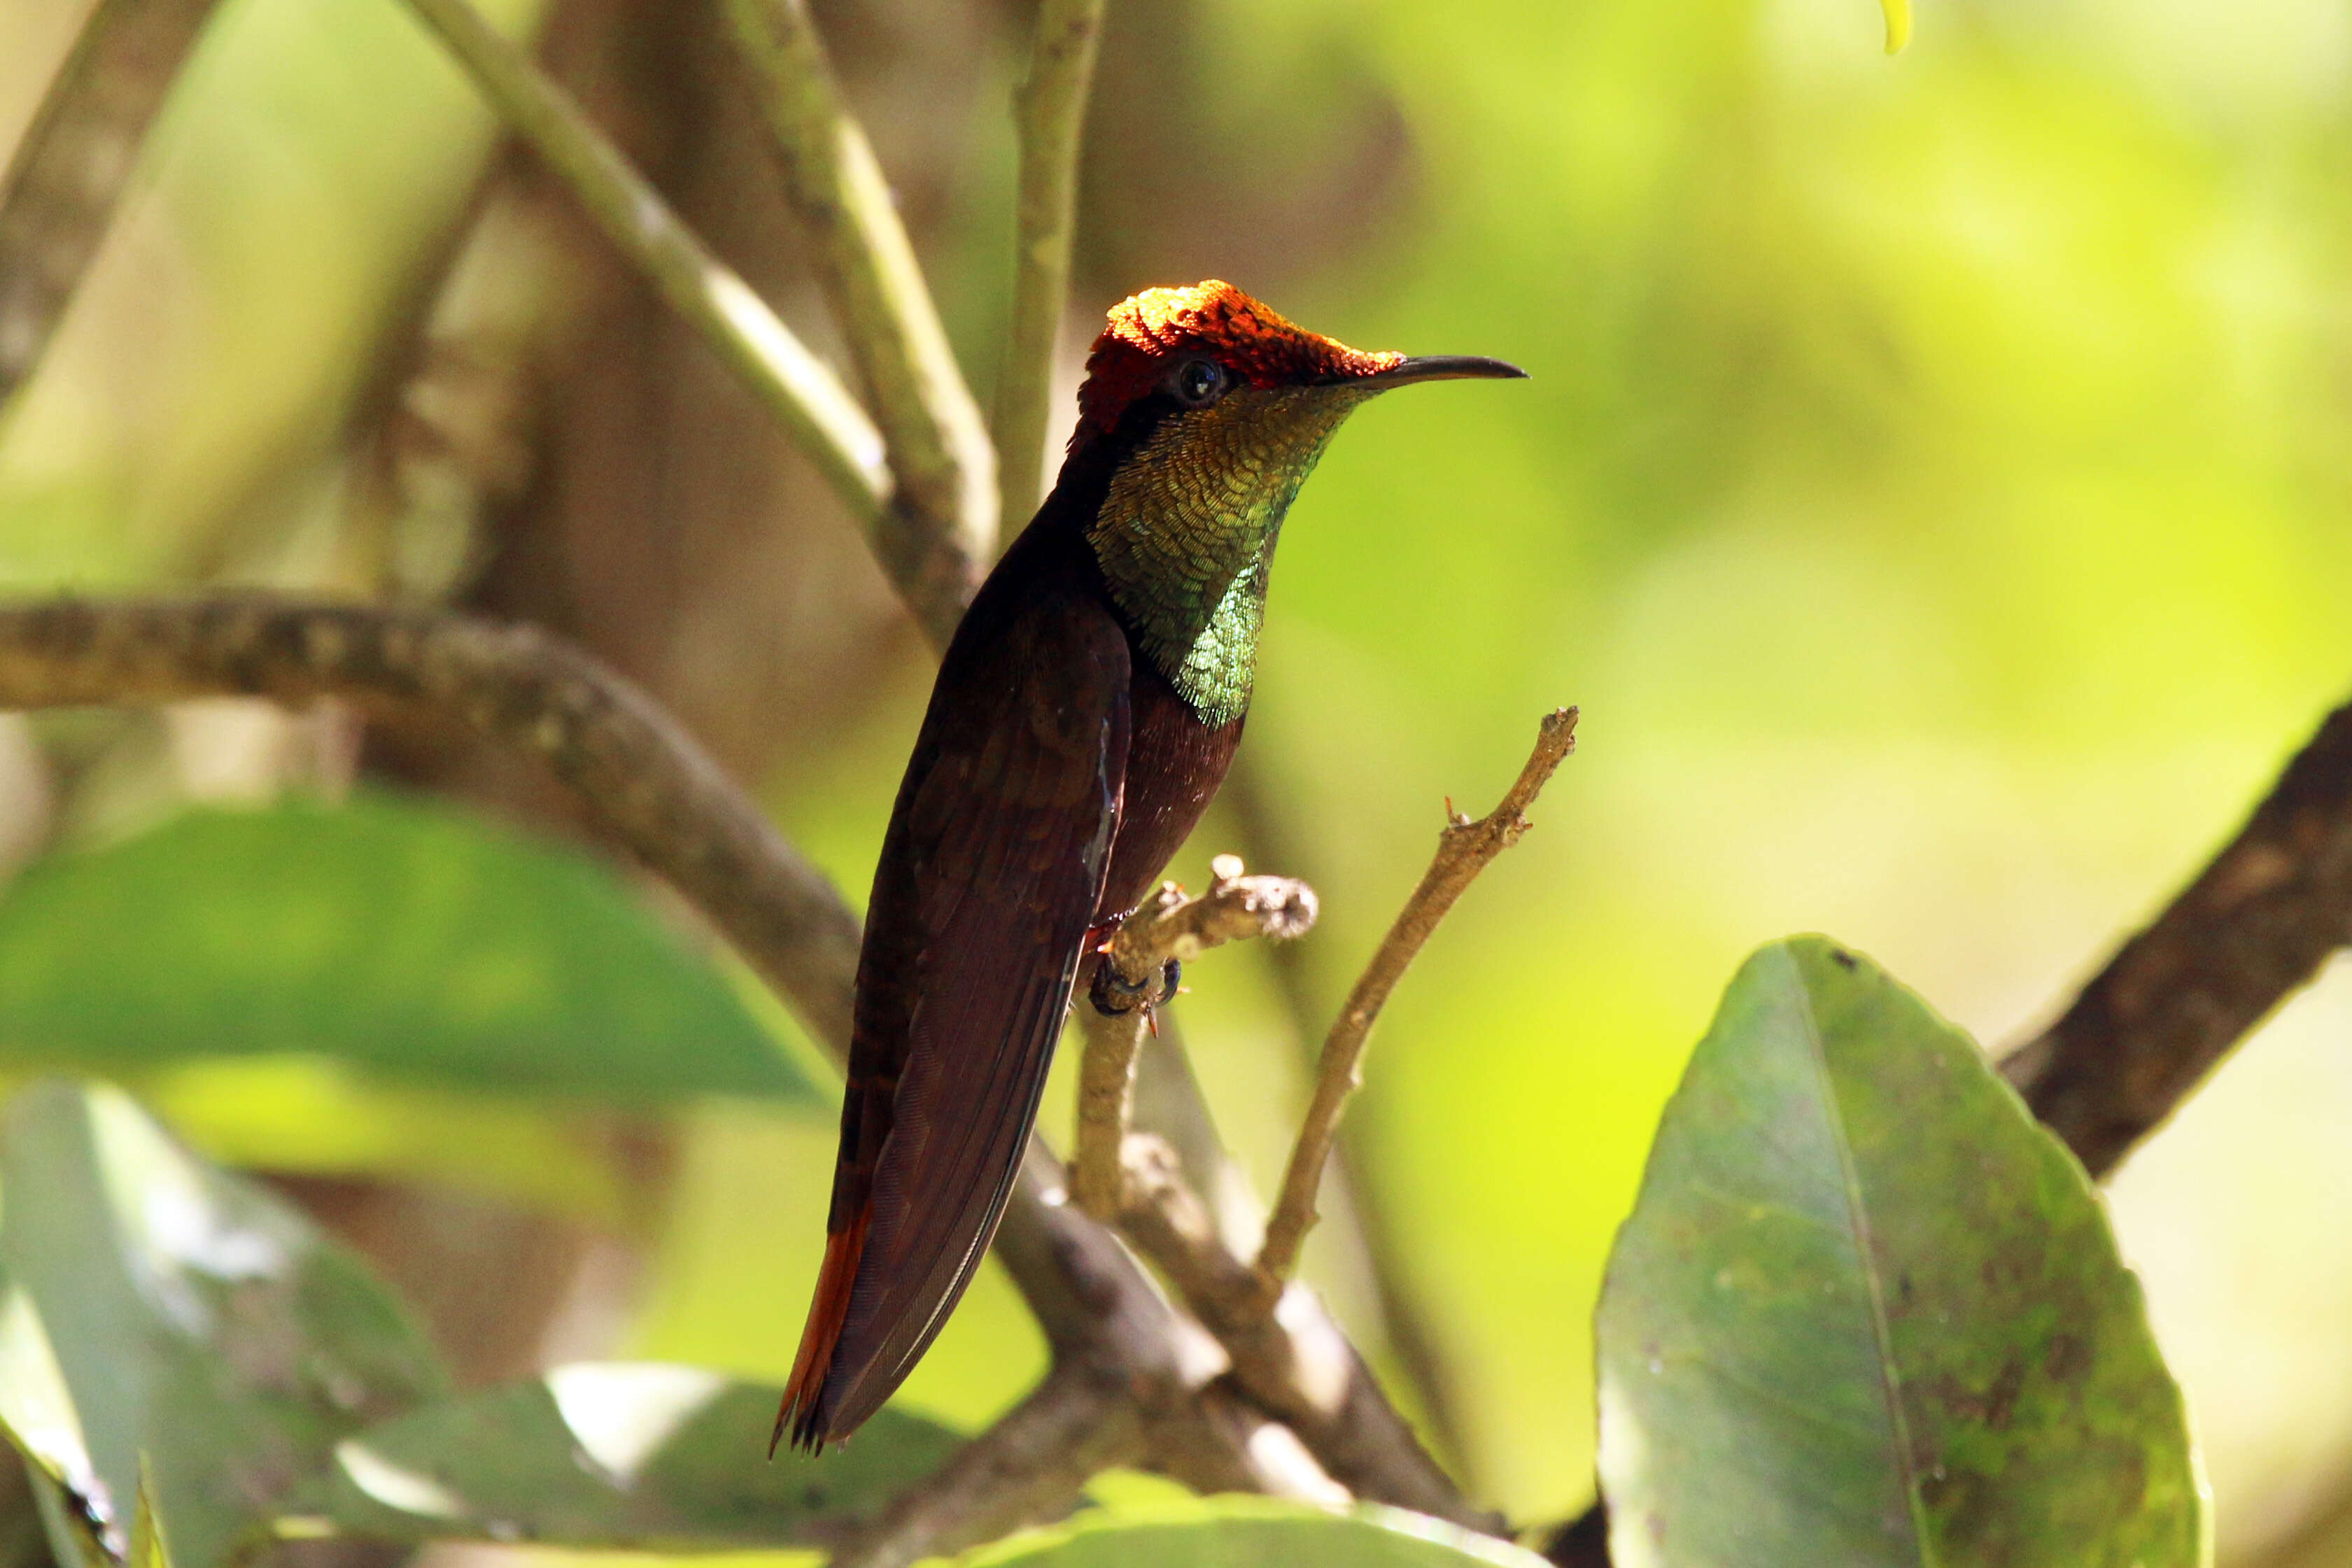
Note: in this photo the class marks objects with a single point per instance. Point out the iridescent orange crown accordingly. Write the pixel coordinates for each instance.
(1252, 340)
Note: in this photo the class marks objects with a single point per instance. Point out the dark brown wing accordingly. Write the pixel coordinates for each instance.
(990, 876)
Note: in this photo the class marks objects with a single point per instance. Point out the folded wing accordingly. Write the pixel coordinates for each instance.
(990, 876)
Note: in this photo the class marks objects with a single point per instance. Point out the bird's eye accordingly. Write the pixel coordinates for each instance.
(1199, 382)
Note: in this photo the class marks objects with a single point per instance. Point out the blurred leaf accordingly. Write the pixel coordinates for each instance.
(1256, 1533)
(1899, 24)
(1867, 1311)
(149, 1547)
(156, 1311)
(414, 941)
(644, 1456)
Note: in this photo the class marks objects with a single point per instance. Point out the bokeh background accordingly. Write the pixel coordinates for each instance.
(1932, 485)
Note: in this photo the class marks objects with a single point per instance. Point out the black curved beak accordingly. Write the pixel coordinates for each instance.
(1441, 367)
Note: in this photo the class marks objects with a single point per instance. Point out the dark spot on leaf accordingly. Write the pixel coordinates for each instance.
(2002, 1400)
(2066, 1358)
(1657, 1527)
(1843, 959)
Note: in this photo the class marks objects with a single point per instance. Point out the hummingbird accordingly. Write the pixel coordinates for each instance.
(1084, 714)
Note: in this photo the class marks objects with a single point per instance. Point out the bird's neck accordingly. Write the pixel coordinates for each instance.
(1186, 531)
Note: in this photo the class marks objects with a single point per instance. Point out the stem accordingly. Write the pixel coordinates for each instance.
(1463, 849)
(2255, 925)
(1050, 111)
(70, 170)
(937, 445)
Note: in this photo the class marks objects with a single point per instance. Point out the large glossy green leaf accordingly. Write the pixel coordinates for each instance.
(151, 1306)
(1255, 1532)
(412, 940)
(641, 1455)
(1866, 1311)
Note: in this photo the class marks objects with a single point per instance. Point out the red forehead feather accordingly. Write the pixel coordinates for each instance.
(1252, 340)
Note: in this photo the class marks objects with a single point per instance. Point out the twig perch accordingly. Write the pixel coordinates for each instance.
(1288, 1356)
(1049, 114)
(1169, 927)
(70, 170)
(937, 445)
(1464, 849)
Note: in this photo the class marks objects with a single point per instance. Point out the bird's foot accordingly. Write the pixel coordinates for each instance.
(1114, 995)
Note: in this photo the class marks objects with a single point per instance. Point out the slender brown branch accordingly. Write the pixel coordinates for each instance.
(1368, 1231)
(1463, 849)
(70, 169)
(1289, 1356)
(1169, 927)
(937, 445)
(1049, 112)
(2255, 925)
(932, 572)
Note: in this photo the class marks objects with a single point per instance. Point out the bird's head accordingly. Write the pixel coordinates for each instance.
(1173, 354)
(1209, 409)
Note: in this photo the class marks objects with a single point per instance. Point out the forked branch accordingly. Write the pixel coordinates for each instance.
(938, 446)
(1170, 927)
(934, 573)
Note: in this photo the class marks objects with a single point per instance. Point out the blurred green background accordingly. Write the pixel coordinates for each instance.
(1932, 486)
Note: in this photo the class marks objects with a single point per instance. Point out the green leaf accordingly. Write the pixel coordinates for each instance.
(1255, 1532)
(414, 941)
(1867, 1311)
(154, 1311)
(630, 1455)
(150, 1548)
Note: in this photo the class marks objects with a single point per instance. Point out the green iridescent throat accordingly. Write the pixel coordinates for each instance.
(1186, 534)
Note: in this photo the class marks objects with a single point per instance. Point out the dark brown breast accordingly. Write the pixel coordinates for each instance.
(1175, 765)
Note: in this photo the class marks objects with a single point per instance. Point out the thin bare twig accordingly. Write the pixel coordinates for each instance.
(934, 575)
(1369, 1238)
(937, 445)
(2255, 925)
(1289, 1356)
(1169, 927)
(1049, 112)
(75, 161)
(1463, 849)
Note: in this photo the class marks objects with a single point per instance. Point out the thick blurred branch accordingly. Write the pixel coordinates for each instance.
(1049, 112)
(1463, 849)
(933, 573)
(2255, 925)
(75, 159)
(937, 445)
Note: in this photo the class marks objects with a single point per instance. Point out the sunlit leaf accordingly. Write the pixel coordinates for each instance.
(1899, 24)
(1255, 1532)
(150, 1546)
(638, 1455)
(414, 941)
(157, 1311)
(1867, 1311)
